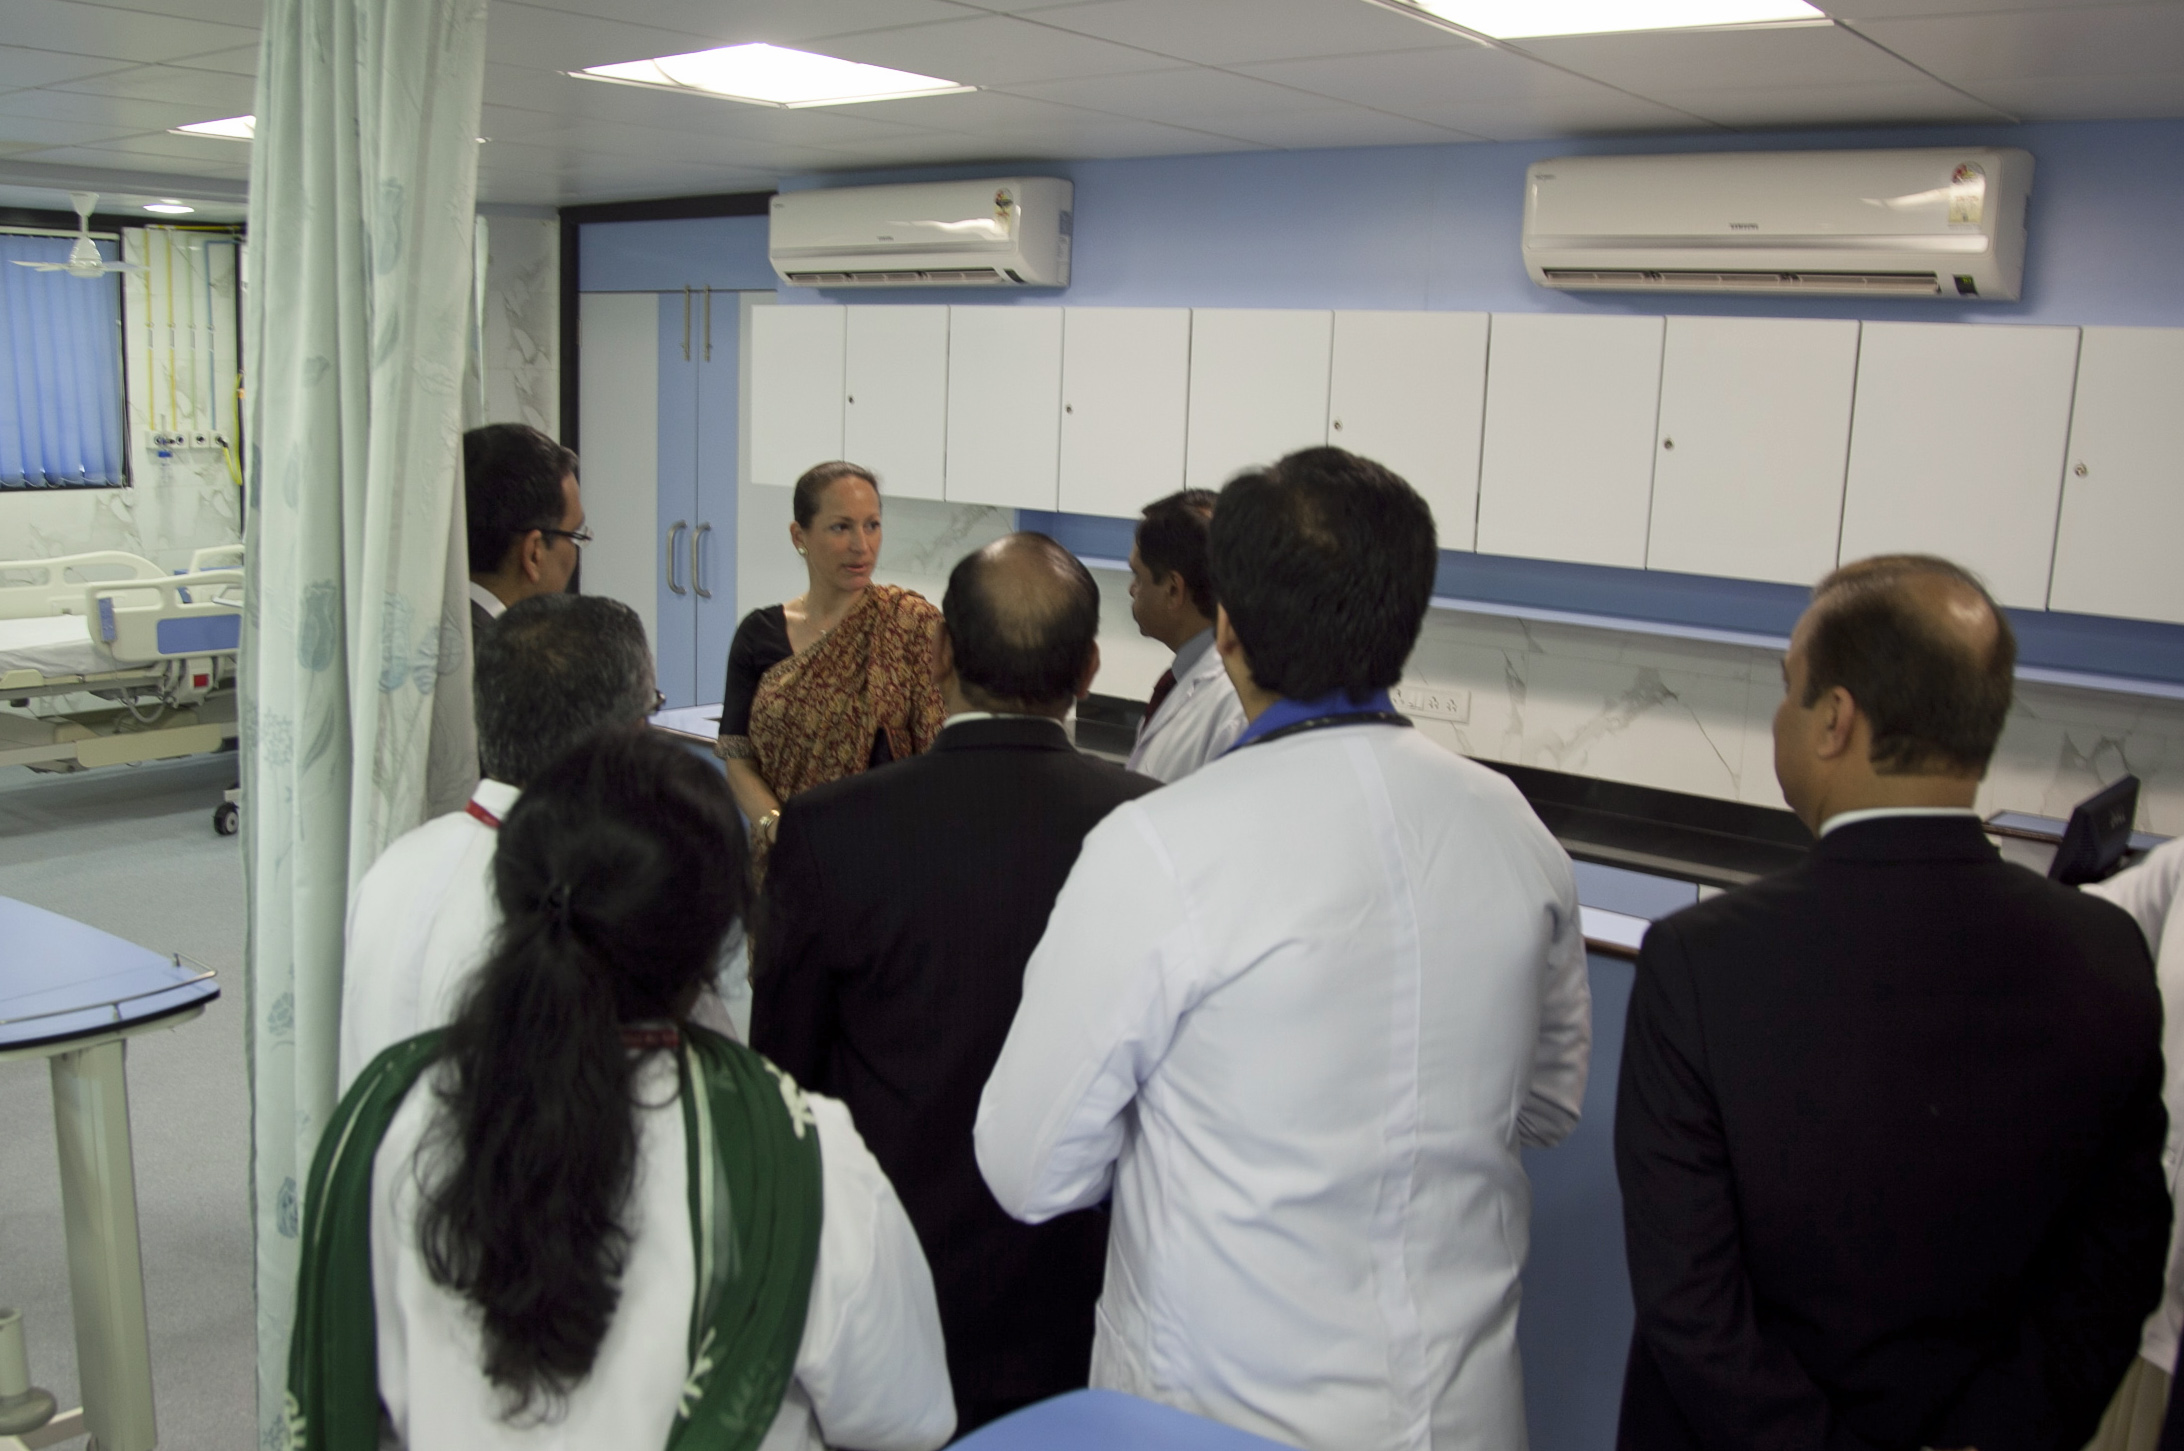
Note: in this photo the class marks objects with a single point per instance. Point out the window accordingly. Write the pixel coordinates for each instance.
(60, 371)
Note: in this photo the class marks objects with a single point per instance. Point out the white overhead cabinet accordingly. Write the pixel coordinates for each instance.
(1409, 390)
(1125, 392)
(1753, 438)
(895, 397)
(1258, 389)
(1957, 446)
(1004, 405)
(2117, 550)
(1566, 470)
(796, 390)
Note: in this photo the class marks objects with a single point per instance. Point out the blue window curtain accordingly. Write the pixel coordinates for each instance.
(60, 371)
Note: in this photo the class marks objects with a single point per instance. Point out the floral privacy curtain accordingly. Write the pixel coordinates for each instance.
(356, 640)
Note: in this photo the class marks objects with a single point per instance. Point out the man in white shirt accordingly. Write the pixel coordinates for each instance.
(1299, 1011)
(552, 671)
(524, 515)
(1194, 714)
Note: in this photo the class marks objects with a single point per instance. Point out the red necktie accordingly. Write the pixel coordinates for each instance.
(1161, 687)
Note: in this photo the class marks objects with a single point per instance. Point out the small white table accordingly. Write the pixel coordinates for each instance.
(74, 995)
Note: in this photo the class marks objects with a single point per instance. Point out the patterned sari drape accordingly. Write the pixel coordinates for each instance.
(816, 713)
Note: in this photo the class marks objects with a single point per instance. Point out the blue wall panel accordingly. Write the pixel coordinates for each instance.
(725, 252)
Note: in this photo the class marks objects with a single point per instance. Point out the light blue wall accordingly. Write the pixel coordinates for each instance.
(1438, 226)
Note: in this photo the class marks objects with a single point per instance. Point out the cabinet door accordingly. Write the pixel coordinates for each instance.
(1004, 405)
(1566, 471)
(2123, 488)
(1956, 448)
(895, 397)
(675, 637)
(1409, 389)
(711, 565)
(1754, 433)
(1258, 389)
(1126, 379)
(796, 391)
(618, 372)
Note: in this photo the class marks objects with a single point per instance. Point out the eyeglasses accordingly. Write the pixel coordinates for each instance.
(578, 537)
(659, 701)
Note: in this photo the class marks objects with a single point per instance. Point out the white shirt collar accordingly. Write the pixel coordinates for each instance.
(1877, 813)
(486, 600)
(495, 797)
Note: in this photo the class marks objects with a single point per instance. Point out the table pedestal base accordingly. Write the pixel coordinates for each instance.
(105, 1265)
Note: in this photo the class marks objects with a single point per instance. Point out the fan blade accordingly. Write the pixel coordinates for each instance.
(43, 266)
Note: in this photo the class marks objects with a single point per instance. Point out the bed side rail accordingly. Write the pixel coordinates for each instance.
(32, 588)
(168, 618)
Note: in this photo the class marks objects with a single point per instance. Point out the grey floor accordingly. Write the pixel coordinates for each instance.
(131, 850)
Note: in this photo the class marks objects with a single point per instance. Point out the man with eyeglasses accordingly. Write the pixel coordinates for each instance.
(526, 517)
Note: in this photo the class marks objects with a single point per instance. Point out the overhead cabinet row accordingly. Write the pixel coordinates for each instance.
(2046, 458)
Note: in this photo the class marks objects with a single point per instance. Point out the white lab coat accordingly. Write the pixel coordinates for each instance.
(1199, 720)
(1298, 1011)
(423, 920)
(871, 1371)
(2148, 892)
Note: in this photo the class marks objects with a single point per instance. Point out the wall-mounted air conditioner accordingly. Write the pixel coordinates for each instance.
(1924, 223)
(1009, 231)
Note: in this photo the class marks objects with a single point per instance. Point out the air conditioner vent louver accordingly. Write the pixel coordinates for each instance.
(1931, 222)
(1898, 284)
(994, 232)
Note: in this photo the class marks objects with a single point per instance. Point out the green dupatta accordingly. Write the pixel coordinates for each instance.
(754, 1223)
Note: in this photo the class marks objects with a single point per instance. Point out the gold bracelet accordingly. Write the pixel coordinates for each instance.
(767, 823)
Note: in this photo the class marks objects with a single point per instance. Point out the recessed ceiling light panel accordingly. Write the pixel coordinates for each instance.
(232, 128)
(169, 208)
(1528, 19)
(772, 75)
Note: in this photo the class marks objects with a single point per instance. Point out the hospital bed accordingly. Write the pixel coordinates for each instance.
(133, 663)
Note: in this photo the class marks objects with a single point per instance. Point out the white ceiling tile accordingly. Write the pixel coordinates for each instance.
(1915, 102)
(1650, 64)
(116, 34)
(565, 102)
(781, 21)
(2088, 98)
(119, 157)
(243, 14)
(21, 69)
(1345, 126)
(1472, 89)
(241, 61)
(116, 115)
(2117, 40)
(1905, 9)
(216, 93)
(1231, 32)
(1187, 96)
(991, 50)
(555, 40)
(19, 132)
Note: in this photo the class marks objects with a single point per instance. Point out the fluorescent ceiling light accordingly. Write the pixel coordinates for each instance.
(233, 128)
(169, 208)
(771, 75)
(1526, 19)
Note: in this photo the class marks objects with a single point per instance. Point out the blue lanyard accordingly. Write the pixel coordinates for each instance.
(1288, 717)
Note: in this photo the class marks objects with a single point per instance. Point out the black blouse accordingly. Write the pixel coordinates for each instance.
(761, 643)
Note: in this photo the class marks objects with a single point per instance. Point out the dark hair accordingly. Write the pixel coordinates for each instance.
(618, 874)
(551, 671)
(1325, 565)
(512, 477)
(1936, 701)
(1024, 618)
(813, 486)
(1171, 539)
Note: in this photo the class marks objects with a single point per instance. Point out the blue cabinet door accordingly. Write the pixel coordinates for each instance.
(712, 564)
(674, 651)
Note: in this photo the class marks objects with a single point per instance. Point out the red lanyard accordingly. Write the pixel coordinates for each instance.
(483, 815)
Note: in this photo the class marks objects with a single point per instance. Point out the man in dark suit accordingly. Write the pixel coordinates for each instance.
(524, 516)
(900, 908)
(1889, 1128)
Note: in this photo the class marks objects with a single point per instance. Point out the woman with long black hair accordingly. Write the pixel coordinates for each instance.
(597, 1225)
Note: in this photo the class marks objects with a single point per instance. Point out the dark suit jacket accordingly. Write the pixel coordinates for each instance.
(480, 621)
(1889, 1132)
(900, 908)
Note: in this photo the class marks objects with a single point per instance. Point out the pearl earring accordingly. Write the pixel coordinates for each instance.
(800, 549)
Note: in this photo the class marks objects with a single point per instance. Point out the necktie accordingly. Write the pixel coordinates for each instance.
(1161, 687)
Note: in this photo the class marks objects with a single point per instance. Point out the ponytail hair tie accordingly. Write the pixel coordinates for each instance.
(557, 905)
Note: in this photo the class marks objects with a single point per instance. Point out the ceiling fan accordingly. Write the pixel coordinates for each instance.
(83, 258)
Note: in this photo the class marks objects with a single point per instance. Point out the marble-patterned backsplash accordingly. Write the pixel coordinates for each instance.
(523, 321)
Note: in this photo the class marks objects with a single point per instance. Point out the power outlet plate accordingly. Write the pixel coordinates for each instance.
(1433, 702)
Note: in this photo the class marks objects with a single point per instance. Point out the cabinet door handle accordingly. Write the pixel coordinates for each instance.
(708, 348)
(686, 324)
(2081, 470)
(672, 560)
(697, 561)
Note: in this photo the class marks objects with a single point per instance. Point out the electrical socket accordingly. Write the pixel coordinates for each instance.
(200, 440)
(1434, 702)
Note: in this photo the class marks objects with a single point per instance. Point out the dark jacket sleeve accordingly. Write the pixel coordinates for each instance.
(1695, 1316)
(2099, 1275)
(793, 1020)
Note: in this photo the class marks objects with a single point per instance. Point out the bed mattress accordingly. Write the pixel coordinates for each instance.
(53, 645)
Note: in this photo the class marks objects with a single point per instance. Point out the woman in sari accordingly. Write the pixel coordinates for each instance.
(573, 1218)
(837, 680)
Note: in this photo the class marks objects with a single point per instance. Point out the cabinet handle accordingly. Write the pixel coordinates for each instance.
(2081, 470)
(697, 561)
(852, 397)
(686, 324)
(672, 560)
(1668, 443)
(1069, 408)
(708, 355)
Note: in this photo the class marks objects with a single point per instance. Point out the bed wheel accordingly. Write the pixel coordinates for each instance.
(226, 819)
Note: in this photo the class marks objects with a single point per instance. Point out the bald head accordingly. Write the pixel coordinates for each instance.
(1022, 616)
(1923, 650)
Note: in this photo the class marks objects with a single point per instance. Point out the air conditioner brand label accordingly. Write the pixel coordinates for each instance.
(1968, 194)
